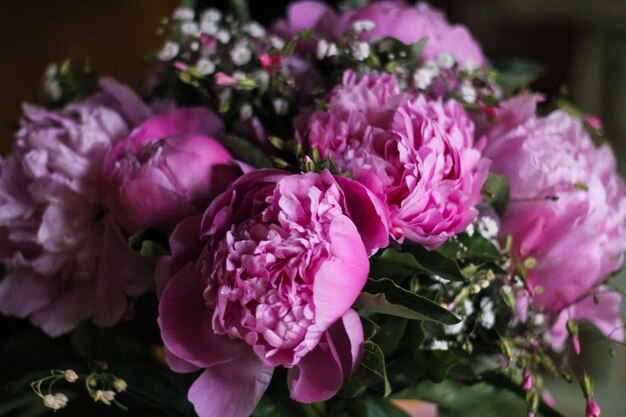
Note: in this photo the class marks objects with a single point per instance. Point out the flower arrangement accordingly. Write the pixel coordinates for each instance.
(336, 214)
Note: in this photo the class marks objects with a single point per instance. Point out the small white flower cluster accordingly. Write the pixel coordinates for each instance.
(55, 401)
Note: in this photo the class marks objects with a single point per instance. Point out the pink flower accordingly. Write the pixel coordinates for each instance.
(415, 153)
(568, 204)
(593, 409)
(167, 169)
(68, 262)
(395, 19)
(272, 63)
(266, 278)
(224, 80)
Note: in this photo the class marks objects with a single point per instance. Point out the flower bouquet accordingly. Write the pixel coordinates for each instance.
(341, 214)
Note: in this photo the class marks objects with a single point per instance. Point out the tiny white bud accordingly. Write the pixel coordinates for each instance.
(255, 30)
(119, 385)
(446, 61)
(53, 89)
(195, 45)
(322, 49)
(281, 106)
(205, 66)
(277, 42)
(360, 51)
(70, 375)
(363, 25)
(183, 13)
(209, 27)
(211, 15)
(468, 92)
(241, 54)
(423, 77)
(169, 51)
(223, 36)
(190, 29)
(245, 111)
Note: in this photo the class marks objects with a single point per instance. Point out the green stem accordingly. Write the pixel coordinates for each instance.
(241, 10)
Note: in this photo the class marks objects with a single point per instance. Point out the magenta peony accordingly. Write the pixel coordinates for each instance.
(267, 278)
(169, 168)
(415, 153)
(568, 204)
(396, 19)
(67, 262)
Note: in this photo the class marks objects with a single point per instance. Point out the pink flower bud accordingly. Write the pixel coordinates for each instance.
(593, 409)
(224, 80)
(528, 381)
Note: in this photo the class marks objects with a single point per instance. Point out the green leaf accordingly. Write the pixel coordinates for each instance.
(381, 407)
(496, 191)
(357, 4)
(477, 400)
(435, 363)
(389, 335)
(513, 75)
(394, 264)
(385, 297)
(246, 151)
(416, 50)
(149, 244)
(371, 373)
(477, 247)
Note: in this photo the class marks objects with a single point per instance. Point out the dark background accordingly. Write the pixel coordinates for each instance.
(580, 43)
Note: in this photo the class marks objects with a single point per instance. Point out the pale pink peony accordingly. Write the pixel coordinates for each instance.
(267, 278)
(415, 153)
(67, 262)
(396, 19)
(168, 168)
(567, 208)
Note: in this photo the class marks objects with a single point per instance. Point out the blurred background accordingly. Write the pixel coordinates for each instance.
(581, 44)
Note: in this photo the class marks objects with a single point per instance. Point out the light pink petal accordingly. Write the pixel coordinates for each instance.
(338, 282)
(185, 323)
(177, 364)
(318, 376)
(368, 214)
(231, 389)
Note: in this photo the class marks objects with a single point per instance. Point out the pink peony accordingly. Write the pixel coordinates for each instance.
(415, 153)
(567, 208)
(266, 278)
(396, 19)
(67, 262)
(167, 169)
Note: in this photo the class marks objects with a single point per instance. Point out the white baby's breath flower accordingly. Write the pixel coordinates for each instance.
(468, 92)
(446, 61)
(255, 29)
(454, 328)
(363, 26)
(360, 51)
(469, 65)
(169, 51)
(205, 66)
(245, 111)
(423, 78)
(439, 345)
(53, 89)
(190, 29)
(281, 106)
(277, 42)
(183, 13)
(470, 229)
(211, 15)
(223, 36)
(487, 315)
(488, 227)
(195, 45)
(241, 54)
(209, 27)
(70, 375)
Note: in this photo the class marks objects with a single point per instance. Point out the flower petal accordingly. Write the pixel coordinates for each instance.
(231, 389)
(185, 323)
